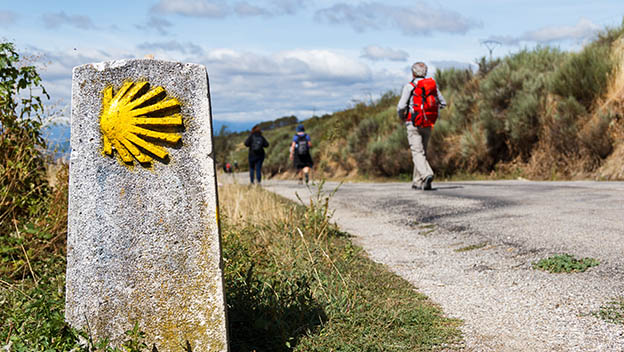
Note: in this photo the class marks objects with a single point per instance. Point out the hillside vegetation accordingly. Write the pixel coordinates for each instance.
(540, 113)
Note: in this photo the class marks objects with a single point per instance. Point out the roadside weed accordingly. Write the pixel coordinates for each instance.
(612, 311)
(564, 263)
(471, 247)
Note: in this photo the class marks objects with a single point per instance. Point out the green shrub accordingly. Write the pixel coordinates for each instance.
(563, 129)
(453, 78)
(474, 150)
(277, 154)
(391, 156)
(510, 99)
(485, 65)
(584, 76)
(22, 172)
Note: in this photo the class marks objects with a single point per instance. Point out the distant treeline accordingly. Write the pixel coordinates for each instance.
(281, 122)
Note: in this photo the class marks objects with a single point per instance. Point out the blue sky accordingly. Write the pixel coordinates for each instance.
(272, 58)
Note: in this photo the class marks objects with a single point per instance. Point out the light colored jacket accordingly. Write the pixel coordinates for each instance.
(405, 102)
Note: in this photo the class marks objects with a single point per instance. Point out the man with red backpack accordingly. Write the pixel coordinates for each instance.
(418, 108)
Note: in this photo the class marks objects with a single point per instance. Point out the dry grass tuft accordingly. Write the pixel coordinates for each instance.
(243, 205)
(613, 166)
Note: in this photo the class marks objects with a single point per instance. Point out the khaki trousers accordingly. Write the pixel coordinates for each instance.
(418, 137)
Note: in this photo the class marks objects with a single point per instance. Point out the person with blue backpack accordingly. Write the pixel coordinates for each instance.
(256, 144)
(418, 108)
(300, 153)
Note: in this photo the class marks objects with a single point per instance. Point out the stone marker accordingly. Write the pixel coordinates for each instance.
(143, 244)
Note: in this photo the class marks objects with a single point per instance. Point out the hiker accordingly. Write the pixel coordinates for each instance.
(418, 109)
(256, 143)
(300, 154)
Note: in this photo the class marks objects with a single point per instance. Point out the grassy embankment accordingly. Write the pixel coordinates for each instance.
(540, 113)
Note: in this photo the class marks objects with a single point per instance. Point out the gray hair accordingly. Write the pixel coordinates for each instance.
(419, 69)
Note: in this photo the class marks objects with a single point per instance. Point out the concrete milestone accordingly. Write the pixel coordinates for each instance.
(143, 244)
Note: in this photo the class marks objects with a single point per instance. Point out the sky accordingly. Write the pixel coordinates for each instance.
(272, 58)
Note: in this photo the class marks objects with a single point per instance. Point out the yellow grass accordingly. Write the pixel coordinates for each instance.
(249, 204)
(613, 167)
(615, 91)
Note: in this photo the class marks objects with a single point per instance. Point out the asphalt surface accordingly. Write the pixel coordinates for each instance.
(506, 304)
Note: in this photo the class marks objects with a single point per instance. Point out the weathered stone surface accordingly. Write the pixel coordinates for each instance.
(143, 243)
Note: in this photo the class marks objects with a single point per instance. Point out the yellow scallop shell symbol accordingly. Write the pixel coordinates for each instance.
(133, 106)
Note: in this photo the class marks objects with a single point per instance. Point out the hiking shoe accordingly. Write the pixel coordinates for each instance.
(417, 188)
(307, 178)
(428, 180)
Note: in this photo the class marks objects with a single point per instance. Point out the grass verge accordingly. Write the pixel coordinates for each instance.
(295, 282)
(565, 263)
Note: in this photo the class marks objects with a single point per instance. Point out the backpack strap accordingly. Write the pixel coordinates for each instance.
(409, 100)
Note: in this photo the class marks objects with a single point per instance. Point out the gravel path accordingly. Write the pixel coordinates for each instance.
(504, 303)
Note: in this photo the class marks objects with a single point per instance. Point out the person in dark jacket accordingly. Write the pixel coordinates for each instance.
(256, 144)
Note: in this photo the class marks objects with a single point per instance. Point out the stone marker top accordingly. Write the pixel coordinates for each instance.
(143, 239)
(194, 108)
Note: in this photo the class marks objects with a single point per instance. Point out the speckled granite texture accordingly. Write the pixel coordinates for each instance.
(143, 242)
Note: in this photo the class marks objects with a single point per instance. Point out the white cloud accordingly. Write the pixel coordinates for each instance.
(56, 20)
(172, 45)
(289, 7)
(583, 30)
(161, 25)
(246, 9)
(247, 86)
(420, 18)
(251, 87)
(219, 9)
(377, 53)
(327, 65)
(7, 18)
(192, 8)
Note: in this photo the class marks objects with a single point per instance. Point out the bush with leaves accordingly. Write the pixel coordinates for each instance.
(23, 185)
(584, 75)
(22, 170)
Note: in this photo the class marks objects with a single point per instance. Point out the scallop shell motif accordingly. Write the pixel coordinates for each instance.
(130, 108)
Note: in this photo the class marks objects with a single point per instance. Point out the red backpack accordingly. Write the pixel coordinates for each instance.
(425, 100)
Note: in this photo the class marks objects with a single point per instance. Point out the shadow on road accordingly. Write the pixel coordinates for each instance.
(446, 187)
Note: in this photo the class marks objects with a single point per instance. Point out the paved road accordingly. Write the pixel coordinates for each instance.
(506, 304)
